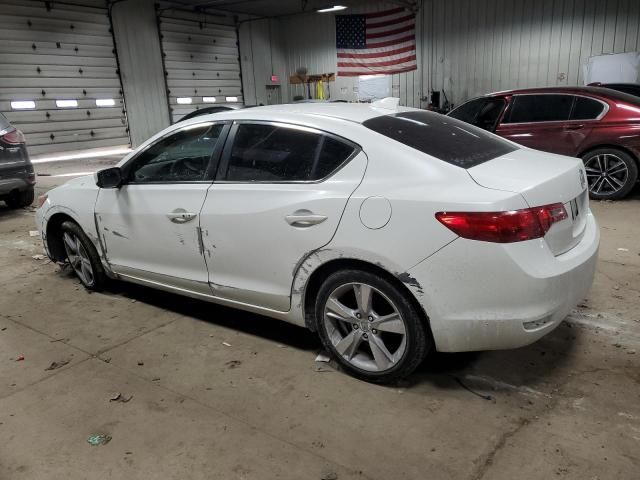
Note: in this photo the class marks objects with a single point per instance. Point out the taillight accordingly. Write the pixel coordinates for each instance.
(504, 227)
(42, 199)
(14, 137)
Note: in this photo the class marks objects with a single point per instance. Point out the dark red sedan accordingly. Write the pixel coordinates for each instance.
(599, 125)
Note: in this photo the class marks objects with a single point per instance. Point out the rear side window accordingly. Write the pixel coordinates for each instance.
(276, 153)
(468, 112)
(445, 138)
(586, 109)
(482, 112)
(539, 108)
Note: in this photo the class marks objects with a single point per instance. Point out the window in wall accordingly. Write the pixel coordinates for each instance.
(181, 157)
(270, 153)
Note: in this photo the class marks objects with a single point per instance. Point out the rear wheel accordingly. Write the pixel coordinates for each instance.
(20, 199)
(82, 256)
(370, 327)
(611, 173)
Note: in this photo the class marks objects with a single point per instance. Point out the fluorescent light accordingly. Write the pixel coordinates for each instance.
(74, 174)
(66, 103)
(23, 104)
(105, 102)
(335, 8)
(74, 156)
(184, 100)
(209, 99)
(231, 99)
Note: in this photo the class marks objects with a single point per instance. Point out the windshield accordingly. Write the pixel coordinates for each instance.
(445, 138)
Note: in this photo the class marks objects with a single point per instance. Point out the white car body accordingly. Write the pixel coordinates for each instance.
(240, 251)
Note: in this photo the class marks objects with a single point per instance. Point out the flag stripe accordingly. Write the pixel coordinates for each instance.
(386, 53)
(386, 63)
(378, 71)
(385, 13)
(390, 32)
(389, 22)
(392, 42)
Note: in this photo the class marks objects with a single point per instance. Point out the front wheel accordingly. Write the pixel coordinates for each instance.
(370, 326)
(82, 256)
(611, 173)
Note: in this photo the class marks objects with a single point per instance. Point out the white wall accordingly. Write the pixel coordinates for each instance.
(466, 47)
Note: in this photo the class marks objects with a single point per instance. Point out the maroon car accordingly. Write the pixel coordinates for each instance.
(599, 125)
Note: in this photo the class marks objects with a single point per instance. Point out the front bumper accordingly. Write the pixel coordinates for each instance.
(489, 296)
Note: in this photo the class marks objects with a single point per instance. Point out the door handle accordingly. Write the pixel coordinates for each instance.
(304, 218)
(180, 215)
(574, 127)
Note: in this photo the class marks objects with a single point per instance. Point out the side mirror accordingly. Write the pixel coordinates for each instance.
(109, 178)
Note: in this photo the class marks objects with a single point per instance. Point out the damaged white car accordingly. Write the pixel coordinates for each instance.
(392, 232)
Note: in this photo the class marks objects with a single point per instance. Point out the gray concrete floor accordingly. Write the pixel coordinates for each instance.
(262, 408)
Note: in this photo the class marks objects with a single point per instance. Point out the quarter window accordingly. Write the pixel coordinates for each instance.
(482, 112)
(274, 153)
(540, 108)
(586, 109)
(181, 157)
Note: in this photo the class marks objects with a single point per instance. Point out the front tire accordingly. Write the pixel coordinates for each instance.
(82, 256)
(611, 173)
(370, 326)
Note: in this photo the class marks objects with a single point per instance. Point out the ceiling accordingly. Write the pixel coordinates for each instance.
(265, 8)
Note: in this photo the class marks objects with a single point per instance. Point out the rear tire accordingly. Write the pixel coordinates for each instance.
(370, 326)
(20, 199)
(611, 173)
(82, 256)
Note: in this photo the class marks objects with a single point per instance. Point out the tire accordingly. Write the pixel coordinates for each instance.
(82, 256)
(611, 173)
(21, 199)
(406, 337)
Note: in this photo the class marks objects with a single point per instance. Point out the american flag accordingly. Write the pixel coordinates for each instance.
(374, 43)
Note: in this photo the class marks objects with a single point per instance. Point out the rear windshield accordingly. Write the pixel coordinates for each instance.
(445, 138)
(4, 123)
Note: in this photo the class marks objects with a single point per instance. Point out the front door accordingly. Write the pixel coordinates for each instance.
(150, 226)
(279, 195)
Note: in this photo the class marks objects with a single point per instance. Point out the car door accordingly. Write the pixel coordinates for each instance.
(279, 195)
(150, 225)
(543, 121)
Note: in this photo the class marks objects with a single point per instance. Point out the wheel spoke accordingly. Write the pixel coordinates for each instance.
(614, 187)
(605, 162)
(337, 310)
(70, 243)
(363, 297)
(617, 169)
(599, 162)
(592, 170)
(349, 344)
(381, 355)
(389, 323)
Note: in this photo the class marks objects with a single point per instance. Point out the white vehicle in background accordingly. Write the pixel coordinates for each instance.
(392, 232)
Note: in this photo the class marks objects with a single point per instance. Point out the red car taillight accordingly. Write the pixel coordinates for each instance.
(504, 227)
(14, 137)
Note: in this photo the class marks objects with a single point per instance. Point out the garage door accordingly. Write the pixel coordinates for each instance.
(202, 64)
(59, 81)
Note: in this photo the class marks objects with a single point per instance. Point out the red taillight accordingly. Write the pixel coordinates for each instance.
(504, 227)
(14, 137)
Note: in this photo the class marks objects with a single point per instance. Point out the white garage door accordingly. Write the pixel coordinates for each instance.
(59, 80)
(202, 64)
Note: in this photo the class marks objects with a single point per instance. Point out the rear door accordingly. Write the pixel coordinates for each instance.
(544, 122)
(279, 195)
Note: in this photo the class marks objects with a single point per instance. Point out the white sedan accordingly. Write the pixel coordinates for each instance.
(391, 232)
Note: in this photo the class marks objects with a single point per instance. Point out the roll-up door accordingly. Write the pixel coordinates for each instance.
(59, 79)
(202, 64)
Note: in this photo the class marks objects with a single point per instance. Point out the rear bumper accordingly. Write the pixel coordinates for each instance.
(488, 296)
(8, 185)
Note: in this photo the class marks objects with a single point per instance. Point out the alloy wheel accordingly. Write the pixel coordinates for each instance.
(607, 174)
(365, 327)
(78, 258)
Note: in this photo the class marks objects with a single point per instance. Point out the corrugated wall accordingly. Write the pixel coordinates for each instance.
(466, 47)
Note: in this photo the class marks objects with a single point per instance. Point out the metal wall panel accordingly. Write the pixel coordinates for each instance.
(52, 51)
(201, 60)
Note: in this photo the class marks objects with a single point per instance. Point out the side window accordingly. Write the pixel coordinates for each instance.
(181, 157)
(586, 109)
(272, 153)
(468, 112)
(490, 113)
(539, 108)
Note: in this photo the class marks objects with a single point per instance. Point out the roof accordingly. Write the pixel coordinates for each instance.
(576, 89)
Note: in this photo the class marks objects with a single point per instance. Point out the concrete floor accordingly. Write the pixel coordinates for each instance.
(262, 408)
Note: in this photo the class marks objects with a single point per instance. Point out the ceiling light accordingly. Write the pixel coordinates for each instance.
(335, 8)
(105, 102)
(209, 99)
(66, 103)
(23, 104)
(184, 100)
(231, 99)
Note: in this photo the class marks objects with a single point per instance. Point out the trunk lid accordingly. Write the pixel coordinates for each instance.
(542, 179)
